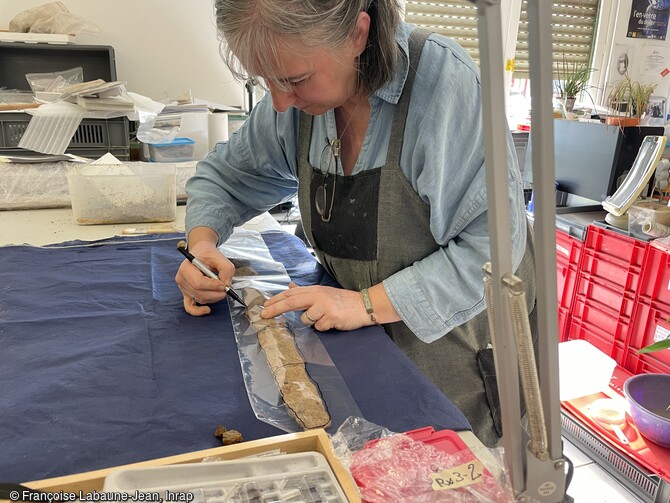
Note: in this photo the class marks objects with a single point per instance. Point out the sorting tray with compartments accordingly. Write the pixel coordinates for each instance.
(300, 477)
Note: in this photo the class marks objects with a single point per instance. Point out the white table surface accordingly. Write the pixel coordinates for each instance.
(48, 226)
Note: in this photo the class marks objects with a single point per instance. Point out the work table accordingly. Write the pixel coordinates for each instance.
(95, 333)
(40, 227)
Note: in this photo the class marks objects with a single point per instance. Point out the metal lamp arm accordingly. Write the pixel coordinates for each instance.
(532, 478)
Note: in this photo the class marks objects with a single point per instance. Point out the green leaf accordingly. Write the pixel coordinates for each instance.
(657, 346)
(571, 78)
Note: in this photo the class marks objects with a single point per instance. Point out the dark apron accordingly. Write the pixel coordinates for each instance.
(378, 226)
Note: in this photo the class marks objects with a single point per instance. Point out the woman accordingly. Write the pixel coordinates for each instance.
(378, 129)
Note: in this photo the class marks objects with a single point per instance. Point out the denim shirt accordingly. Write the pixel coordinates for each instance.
(442, 158)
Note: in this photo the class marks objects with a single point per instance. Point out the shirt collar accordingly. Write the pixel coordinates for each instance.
(392, 90)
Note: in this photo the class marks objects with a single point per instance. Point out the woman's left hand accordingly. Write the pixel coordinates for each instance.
(324, 307)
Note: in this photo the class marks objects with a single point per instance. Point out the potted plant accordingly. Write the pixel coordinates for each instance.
(571, 80)
(628, 100)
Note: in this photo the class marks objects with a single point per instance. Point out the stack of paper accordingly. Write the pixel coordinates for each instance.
(97, 95)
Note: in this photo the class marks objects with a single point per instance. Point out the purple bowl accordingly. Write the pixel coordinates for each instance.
(649, 398)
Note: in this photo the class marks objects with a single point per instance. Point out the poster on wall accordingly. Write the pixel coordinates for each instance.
(648, 19)
(653, 60)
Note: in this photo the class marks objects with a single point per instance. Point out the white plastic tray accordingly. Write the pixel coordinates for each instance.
(301, 477)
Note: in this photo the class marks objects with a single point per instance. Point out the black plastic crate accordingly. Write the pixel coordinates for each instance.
(19, 58)
(122, 154)
(93, 137)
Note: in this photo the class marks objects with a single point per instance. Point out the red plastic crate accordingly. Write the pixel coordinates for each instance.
(655, 285)
(568, 258)
(644, 365)
(566, 280)
(651, 323)
(445, 440)
(568, 248)
(613, 257)
(600, 305)
(583, 330)
(564, 318)
(368, 474)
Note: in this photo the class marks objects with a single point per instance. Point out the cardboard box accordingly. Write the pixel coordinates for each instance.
(123, 193)
(308, 441)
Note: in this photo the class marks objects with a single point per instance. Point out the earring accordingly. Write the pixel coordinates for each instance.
(357, 66)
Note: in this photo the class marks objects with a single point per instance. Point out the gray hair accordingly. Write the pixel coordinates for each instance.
(250, 31)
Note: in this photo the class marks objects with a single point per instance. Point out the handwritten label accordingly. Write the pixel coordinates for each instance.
(458, 476)
(661, 333)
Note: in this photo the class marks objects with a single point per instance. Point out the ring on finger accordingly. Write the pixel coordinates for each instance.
(310, 318)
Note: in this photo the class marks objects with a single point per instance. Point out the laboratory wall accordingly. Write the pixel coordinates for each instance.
(163, 48)
(645, 59)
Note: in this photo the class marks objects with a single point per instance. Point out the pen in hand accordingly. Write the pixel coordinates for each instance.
(181, 246)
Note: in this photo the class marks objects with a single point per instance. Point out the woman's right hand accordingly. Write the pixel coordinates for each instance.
(197, 288)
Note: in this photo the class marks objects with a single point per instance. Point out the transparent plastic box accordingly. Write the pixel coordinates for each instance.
(178, 150)
(301, 477)
(123, 193)
(649, 219)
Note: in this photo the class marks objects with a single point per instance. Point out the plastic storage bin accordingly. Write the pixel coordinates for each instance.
(178, 150)
(17, 59)
(614, 258)
(651, 324)
(602, 315)
(568, 259)
(123, 193)
(656, 276)
(93, 138)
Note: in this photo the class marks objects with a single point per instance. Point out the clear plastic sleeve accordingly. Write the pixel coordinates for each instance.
(389, 467)
(22, 22)
(65, 23)
(255, 268)
(154, 128)
(52, 17)
(55, 81)
(353, 434)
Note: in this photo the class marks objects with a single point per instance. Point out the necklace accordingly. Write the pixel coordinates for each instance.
(336, 143)
(331, 152)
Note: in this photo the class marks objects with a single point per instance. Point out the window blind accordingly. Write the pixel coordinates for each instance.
(573, 24)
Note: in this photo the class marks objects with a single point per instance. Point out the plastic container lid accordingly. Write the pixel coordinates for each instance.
(175, 142)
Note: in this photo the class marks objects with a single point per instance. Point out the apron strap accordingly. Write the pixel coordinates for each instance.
(416, 41)
(304, 137)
